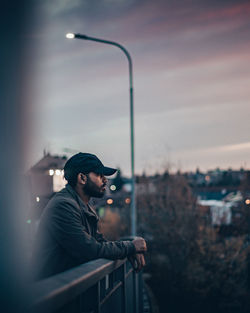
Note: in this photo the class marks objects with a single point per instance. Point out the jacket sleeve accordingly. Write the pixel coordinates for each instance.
(67, 229)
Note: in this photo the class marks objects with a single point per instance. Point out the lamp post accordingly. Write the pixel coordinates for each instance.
(131, 93)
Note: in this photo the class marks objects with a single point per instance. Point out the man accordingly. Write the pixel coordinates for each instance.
(68, 233)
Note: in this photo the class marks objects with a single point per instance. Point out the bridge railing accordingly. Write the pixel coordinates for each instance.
(100, 286)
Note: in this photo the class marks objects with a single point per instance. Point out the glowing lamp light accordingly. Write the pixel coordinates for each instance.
(70, 35)
(110, 201)
(37, 199)
(51, 172)
(247, 201)
(58, 172)
(113, 187)
(28, 221)
(127, 200)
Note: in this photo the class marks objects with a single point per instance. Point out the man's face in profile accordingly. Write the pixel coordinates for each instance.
(95, 185)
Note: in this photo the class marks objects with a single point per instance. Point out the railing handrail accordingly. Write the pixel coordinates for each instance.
(53, 292)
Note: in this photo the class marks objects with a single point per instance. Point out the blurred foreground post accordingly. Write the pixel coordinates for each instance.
(13, 113)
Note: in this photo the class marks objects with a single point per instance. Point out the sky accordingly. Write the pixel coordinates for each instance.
(191, 82)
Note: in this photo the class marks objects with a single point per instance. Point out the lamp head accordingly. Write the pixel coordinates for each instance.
(70, 35)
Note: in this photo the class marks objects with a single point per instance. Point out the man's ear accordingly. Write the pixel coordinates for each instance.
(81, 178)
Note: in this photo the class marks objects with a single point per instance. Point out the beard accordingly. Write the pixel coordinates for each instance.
(92, 190)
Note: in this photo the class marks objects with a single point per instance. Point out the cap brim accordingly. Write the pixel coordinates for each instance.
(107, 171)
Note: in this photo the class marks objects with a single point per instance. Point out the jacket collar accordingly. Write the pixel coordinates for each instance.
(86, 208)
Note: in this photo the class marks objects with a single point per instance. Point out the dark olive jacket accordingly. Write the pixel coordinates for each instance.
(67, 236)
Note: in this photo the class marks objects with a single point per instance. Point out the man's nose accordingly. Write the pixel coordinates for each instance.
(104, 179)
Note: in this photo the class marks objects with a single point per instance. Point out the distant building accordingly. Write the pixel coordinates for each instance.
(216, 177)
(45, 178)
(222, 211)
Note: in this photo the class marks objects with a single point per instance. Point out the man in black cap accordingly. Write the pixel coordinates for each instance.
(68, 233)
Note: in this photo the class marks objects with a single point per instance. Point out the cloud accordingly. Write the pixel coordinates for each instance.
(191, 79)
(60, 7)
(235, 11)
(236, 147)
(167, 19)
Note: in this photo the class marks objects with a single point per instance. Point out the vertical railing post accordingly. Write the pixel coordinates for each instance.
(135, 287)
(124, 289)
(98, 298)
(140, 291)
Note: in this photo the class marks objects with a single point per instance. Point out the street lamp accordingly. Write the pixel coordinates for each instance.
(131, 93)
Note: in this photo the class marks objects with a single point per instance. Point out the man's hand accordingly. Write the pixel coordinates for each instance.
(140, 244)
(137, 261)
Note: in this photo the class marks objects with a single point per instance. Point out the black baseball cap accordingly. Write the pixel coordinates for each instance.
(86, 163)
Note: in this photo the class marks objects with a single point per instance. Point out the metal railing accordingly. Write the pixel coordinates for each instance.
(100, 286)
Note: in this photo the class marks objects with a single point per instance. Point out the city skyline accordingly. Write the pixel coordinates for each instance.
(191, 79)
